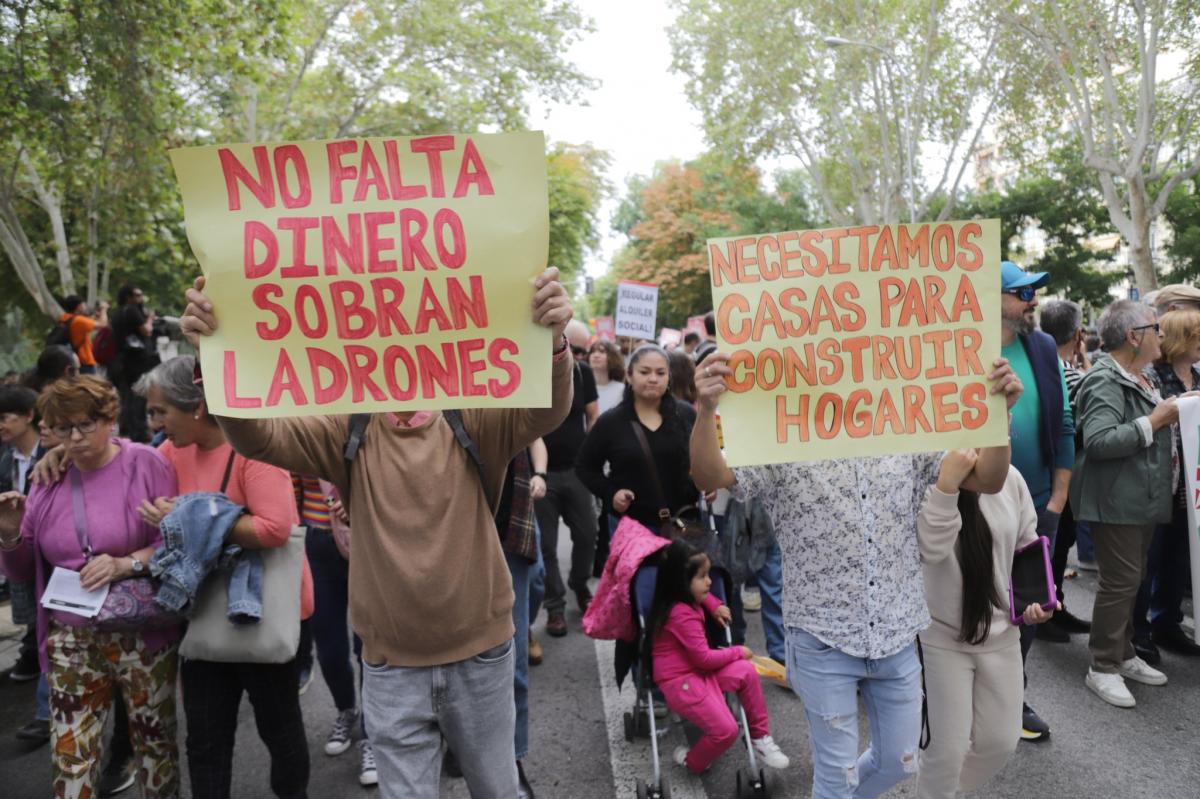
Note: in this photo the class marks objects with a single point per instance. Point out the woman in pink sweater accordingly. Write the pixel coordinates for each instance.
(691, 675)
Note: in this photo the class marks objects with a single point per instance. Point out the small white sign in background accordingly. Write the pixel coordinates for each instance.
(637, 309)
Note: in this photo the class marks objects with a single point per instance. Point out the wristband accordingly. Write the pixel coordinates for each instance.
(563, 346)
(539, 474)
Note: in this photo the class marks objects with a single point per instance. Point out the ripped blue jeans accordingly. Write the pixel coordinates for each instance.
(829, 681)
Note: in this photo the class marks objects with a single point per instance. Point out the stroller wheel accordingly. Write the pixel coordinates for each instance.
(642, 791)
(630, 728)
(761, 790)
(751, 787)
(664, 788)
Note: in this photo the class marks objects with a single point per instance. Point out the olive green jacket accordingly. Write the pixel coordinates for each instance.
(1117, 478)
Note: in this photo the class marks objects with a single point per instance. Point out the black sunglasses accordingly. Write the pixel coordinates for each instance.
(578, 352)
(1147, 327)
(1024, 293)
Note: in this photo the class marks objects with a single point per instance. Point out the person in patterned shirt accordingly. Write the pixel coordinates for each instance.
(853, 596)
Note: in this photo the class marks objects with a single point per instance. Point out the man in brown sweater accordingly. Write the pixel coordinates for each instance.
(430, 593)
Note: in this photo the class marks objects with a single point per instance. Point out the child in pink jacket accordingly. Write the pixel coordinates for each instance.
(692, 676)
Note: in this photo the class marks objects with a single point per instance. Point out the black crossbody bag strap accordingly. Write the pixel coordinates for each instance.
(926, 733)
(664, 512)
(228, 472)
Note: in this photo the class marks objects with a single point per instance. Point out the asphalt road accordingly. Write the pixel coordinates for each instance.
(579, 752)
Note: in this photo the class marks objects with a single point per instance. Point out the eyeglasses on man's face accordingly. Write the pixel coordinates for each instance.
(1024, 293)
(1153, 327)
(85, 427)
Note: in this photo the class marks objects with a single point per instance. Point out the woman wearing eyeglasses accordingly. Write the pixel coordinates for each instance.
(1122, 485)
(97, 503)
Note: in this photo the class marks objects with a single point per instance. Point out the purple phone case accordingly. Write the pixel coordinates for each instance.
(1051, 594)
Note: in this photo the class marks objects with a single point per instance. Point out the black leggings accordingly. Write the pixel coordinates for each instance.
(212, 693)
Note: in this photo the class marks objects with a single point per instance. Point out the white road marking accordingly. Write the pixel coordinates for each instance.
(631, 761)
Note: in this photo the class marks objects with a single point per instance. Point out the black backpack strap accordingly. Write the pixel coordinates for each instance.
(454, 418)
(358, 429)
(355, 434)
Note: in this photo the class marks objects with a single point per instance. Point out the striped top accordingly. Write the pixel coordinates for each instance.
(310, 502)
(1073, 377)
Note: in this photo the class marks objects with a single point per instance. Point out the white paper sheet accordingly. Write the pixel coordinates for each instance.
(65, 593)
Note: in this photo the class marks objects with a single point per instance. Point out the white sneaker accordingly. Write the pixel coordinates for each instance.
(769, 752)
(751, 599)
(1139, 670)
(367, 774)
(1110, 687)
(680, 756)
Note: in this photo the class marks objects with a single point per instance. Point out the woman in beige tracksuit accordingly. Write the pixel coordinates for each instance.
(972, 651)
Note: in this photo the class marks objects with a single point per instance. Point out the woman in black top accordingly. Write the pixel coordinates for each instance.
(667, 423)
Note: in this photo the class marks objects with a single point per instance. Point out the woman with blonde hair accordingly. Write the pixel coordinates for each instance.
(1158, 613)
(88, 525)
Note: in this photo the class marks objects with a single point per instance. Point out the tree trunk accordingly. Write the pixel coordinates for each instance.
(1141, 258)
(49, 202)
(93, 239)
(16, 246)
(1141, 255)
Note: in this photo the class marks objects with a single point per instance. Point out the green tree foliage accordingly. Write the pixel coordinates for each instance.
(388, 68)
(94, 92)
(1123, 76)
(91, 91)
(1060, 198)
(1183, 214)
(857, 91)
(670, 216)
(17, 352)
(575, 179)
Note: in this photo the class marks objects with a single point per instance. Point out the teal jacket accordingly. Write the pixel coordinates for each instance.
(1117, 478)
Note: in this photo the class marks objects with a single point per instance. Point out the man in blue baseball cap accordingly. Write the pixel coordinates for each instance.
(1043, 432)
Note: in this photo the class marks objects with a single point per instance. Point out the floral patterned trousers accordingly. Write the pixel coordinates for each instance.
(85, 666)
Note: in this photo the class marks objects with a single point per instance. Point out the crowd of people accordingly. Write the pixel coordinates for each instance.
(412, 552)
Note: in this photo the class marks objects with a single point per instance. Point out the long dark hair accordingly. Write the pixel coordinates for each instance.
(679, 564)
(666, 406)
(978, 571)
(616, 361)
(683, 376)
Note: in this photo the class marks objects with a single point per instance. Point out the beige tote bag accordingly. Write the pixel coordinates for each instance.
(275, 638)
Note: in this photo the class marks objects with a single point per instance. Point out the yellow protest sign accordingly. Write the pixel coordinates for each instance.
(363, 275)
(858, 341)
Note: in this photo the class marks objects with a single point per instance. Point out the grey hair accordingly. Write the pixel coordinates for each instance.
(175, 379)
(1117, 320)
(1061, 319)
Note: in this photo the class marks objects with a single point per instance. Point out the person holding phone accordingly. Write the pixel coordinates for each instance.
(972, 652)
(853, 597)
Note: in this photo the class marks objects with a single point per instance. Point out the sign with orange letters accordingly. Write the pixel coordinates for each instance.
(867, 340)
